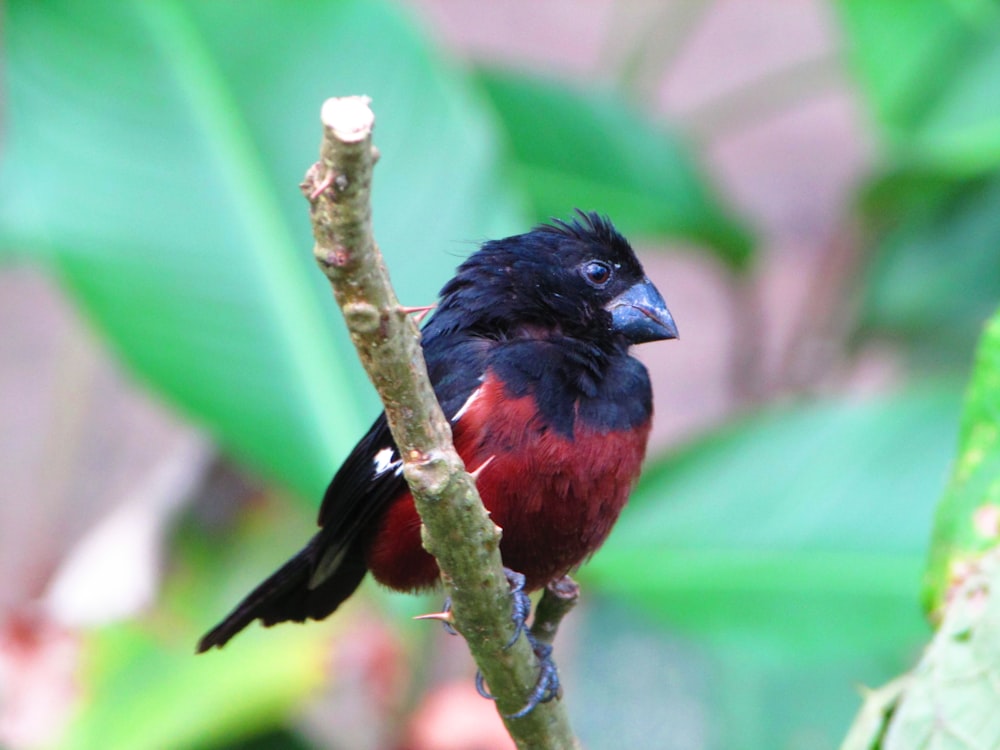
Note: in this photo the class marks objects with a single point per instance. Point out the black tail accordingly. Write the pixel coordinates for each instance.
(287, 595)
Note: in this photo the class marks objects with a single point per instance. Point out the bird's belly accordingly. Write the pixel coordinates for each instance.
(556, 506)
(556, 497)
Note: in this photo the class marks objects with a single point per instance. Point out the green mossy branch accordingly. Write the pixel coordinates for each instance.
(457, 530)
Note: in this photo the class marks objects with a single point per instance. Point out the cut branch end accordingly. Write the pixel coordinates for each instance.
(349, 117)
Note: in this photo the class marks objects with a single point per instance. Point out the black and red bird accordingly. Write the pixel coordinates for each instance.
(528, 352)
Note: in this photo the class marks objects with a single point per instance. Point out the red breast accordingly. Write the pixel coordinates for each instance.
(555, 497)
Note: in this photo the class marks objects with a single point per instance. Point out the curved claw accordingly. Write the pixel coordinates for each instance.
(548, 685)
(481, 687)
(546, 688)
(521, 606)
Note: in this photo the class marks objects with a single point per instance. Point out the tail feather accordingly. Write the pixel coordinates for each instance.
(287, 596)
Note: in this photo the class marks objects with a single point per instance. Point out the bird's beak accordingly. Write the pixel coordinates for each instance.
(640, 314)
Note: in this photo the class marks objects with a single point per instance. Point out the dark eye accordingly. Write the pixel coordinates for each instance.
(597, 273)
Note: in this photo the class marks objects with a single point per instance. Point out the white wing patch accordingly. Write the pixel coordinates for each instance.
(473, 397)
(384, 460)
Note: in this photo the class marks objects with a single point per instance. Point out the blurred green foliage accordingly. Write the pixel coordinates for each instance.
(935, 237)
(638, 173)
(151, 157)
(931, 72)
(809, 522)
(153, 154)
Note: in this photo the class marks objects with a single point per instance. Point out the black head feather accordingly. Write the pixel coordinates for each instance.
(543, 280)
(589, 226)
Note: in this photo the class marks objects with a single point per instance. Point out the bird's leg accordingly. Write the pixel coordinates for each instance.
(547, 687)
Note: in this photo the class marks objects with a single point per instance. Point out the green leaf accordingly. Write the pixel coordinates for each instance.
(800, 531)
(934, 278)
(592, 150)
(904, 53)
(968, 518)
(153, 153)
(951, 700)
(962, 130)
(931, 70)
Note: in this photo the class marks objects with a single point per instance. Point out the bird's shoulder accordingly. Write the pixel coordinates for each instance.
(571, 384)
(576, 384)
(371, 476)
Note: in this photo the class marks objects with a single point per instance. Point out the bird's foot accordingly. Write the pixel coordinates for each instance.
(547, 687)
(520, 609)
(520, 605)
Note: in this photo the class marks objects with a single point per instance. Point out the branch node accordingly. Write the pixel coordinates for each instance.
(320, 185)
(431, 475)
(332, 257)
(309, 180)
(362, 317)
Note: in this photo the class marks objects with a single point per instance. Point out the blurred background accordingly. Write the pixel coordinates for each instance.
(814, 187)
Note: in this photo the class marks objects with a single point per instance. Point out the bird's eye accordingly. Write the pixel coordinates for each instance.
(597, 273)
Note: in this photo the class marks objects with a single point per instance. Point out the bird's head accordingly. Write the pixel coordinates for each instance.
(579, 277)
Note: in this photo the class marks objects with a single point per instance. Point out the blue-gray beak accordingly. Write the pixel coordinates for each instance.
(640, 314)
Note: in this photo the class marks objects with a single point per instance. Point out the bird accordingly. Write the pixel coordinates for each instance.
(528, 352)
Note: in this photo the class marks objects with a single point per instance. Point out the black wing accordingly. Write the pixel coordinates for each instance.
(332, 565)
(371, 477)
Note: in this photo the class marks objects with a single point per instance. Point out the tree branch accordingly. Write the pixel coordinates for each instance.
(557, 600)
(457, 529)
